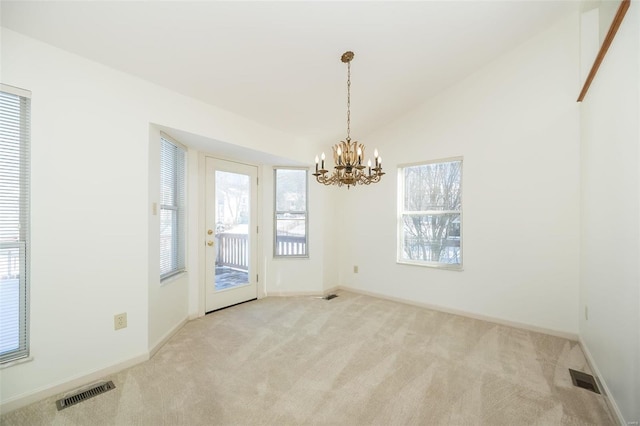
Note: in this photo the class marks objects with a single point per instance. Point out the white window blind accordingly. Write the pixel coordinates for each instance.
(291, 222)
(172, 214)
(15, 111)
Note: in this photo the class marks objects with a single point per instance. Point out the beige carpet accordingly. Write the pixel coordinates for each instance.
(353, 360)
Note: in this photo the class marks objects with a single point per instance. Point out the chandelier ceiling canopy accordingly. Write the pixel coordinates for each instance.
(348, 155)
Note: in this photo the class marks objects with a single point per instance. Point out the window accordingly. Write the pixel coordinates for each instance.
(15, 111)
(290, 213)
(430, 214)
(172, 201)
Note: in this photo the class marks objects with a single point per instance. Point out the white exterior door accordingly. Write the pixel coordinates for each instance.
(231, 228)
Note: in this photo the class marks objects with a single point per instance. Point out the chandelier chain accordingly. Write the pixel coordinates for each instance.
(349, 101)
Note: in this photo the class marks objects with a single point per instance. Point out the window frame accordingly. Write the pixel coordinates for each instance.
(180, 188)
(24, 236)
(401, 212)
(276, 212)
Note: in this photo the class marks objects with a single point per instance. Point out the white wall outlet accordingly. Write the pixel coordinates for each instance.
(355, 269)
(120, 321)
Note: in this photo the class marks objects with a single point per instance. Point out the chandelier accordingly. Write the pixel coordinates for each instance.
(348, 155)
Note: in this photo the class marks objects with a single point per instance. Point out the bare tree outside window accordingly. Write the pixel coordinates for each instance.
(232, 196)
(430, 214)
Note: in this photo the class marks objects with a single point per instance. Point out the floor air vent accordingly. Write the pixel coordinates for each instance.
(330, 296)
(584, 380)
(84, 395)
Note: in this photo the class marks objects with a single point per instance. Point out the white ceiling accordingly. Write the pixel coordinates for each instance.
(278, 63)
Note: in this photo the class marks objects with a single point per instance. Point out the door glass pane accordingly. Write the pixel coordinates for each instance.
(232, 230)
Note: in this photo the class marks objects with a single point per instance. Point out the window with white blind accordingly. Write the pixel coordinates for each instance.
(290, 213)
(15, 111)
(430, 214)
(172, 205)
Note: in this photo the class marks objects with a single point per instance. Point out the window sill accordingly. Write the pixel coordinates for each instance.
(290, 257)
(16, 362)
(443, 266)
(172, 278)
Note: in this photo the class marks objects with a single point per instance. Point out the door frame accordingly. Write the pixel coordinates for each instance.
(202, 227)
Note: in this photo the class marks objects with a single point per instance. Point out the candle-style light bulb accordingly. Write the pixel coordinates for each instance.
(359, 155)
(322, 157)
(380, 162)
(316, 163)
(369, 164)
(375, 153)
(339, 156)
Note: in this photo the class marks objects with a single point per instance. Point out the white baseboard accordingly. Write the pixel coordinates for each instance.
(294, 293)
(301, 293)
(68, 385)
(332, 289)
(557, 333)
(601, 382)
(164, 339)
(84, 379)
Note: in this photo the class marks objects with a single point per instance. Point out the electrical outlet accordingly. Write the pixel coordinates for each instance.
(355, 269)
(120, 321)
(586, 312)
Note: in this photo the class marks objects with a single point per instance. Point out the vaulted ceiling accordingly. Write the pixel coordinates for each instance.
(278, 63)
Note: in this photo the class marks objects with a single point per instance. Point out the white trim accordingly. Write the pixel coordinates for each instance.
(437, 265)
(332, 289)
(611, 403)
(304, 293)
(515, 324)
(67, 385)
(83, 379)
(294, 293)
(173, 277)
(15, 91)
(438, 160)
(400, 212)
(11, 363)
(173, 140)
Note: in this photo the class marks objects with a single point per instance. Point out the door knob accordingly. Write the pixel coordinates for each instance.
(209, 243)
(209, 232)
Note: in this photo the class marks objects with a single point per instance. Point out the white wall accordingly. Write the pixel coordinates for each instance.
(610, 218)
(292, 276)
(515, 122)
(93, 249)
